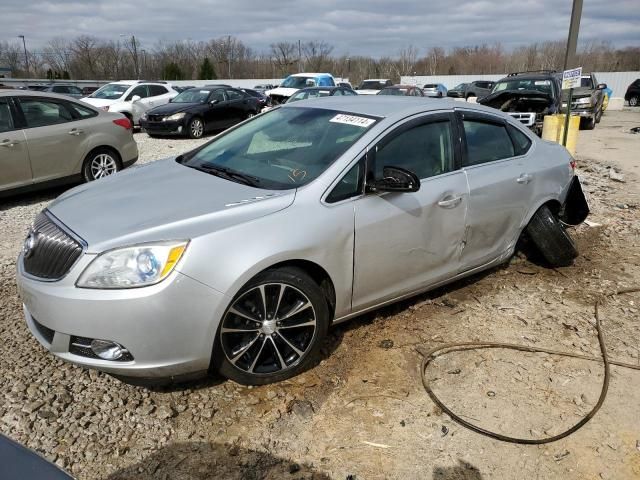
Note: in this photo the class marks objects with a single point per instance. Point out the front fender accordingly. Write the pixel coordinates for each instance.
(575, 208)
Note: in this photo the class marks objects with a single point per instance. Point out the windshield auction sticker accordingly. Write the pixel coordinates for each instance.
(353, 120)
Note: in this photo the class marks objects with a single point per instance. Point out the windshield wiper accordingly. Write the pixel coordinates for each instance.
(229, 174)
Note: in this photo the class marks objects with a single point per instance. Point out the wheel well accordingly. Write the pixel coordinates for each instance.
(104, 147)
(554, 206)
(318, 274)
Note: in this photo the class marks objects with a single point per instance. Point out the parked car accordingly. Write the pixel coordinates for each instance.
(317, 92)
(263, 100)
(237, 257)
(372, 86)
(86, 91)
(434, 90)
(48, 139)
(587, 101)
(478, 89)
(457, 91)
(295, 82)
(199, 110)
(62, 89)
(345, 85)
(182, 88)
(527, 96)
(402, 90)
(131, 97)
(633, 94)
(19, 462)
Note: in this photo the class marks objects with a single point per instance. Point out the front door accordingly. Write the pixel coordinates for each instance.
(14, 156)
(217, 115)
(407, 241)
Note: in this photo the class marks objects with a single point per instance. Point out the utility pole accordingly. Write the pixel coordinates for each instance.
(299, 56)
(135, 55)
(26, 58)
(572, 40)
(229, 52)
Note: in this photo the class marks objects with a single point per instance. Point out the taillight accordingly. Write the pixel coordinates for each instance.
(124, 123)
(573, 164)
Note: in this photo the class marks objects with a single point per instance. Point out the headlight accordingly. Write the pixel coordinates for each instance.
(175, 116)
(130, 267)
(584, 101)
(105, 108)
(143, 116)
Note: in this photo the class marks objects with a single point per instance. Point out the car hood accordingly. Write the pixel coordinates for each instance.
(171, 108)
(285, 92)
(99, 102)
(162, 200)
(498, 99)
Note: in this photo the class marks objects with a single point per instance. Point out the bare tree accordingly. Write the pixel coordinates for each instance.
(284, 56)
(317, 55)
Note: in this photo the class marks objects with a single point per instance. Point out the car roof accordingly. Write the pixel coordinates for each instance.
(400, 86)
(389, 106)
(34, 93)
(375, 79)
(529, 76)
(311, 75)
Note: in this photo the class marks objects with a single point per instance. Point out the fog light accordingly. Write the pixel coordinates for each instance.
(107, 350)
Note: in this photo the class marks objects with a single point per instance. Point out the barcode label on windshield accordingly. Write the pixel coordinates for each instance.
(352, 120)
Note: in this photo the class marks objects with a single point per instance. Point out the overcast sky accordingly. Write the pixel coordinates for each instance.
(367, 27)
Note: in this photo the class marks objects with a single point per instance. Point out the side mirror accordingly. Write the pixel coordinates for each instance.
(310, 82)
(395, 179)
(215, 101)
(602, 86)
(135, 98)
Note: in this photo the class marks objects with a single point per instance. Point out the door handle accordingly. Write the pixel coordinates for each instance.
(8, 143)
(450, 202)
(76, 131)
(524, 178)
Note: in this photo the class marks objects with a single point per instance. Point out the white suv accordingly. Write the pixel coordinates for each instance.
(132, 98)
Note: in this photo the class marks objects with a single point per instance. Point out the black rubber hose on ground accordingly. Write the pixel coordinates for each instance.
(452, 347)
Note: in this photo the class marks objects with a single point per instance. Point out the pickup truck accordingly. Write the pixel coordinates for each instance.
(527, 96)
(297, 81)
(586, 101)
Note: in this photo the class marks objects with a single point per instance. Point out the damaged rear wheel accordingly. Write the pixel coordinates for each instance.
(551, 239)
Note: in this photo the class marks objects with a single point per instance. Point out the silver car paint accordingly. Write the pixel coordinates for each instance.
(236, 232)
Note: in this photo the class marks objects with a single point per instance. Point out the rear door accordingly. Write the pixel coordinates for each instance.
(57, 142)
(501, 180)
(15, 168)
(407, 241)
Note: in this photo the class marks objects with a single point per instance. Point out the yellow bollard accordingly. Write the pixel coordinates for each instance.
(553, 130)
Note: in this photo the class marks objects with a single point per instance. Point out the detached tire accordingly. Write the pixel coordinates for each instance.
(273, 329)
(551, 239)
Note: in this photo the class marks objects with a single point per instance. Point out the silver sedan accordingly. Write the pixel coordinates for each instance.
(238, 256)
(48, 139)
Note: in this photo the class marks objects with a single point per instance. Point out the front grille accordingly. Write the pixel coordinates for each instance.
(49, 252)
(528, 119)
(82, 346)
(46, 332)
(155, 118)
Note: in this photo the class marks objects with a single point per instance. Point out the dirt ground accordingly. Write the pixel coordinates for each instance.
(362, 413)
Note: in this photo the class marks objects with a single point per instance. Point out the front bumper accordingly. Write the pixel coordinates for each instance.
(586, 112)
(163, 128)
(167, 328)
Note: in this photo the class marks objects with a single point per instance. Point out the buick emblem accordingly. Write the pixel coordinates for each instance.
(29, 244)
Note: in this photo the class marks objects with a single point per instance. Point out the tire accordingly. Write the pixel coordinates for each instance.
(634, 101)
(599, 114)
(277, 349)
(195, 129)
(100, 163)
(551, 239)
(589, 123)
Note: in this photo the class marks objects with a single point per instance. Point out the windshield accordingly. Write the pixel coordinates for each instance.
(297, 82)
(192, 96)
(372, 85)
(431, 86)
(110, 91)
(586, 82)
(282, 149)
(394, 91)
(522, 84)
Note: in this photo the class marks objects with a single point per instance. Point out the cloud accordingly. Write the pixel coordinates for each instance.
(365, 27)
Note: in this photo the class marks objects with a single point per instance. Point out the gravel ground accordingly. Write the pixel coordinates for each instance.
(362, 411)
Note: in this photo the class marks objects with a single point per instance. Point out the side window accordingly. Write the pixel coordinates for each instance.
(60, 89)
(82, 111)
(39, 112)
(349, 186)
(140, 90)
(521, 142)
(156, 90)
(234, 95)
(325, 82)
(217, 95)
(338, 92)
(75, 90)
(486, 142)
(349, 92)
(425, 149)
(6, 122)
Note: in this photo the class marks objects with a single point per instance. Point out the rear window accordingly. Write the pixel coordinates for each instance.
(431, 85)
(521, 142)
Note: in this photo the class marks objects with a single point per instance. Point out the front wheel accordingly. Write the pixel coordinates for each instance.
(195, 128)
(634, 101)
(100, 163)
(273, 328)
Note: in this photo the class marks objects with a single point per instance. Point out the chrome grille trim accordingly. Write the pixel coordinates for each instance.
(56, 249)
